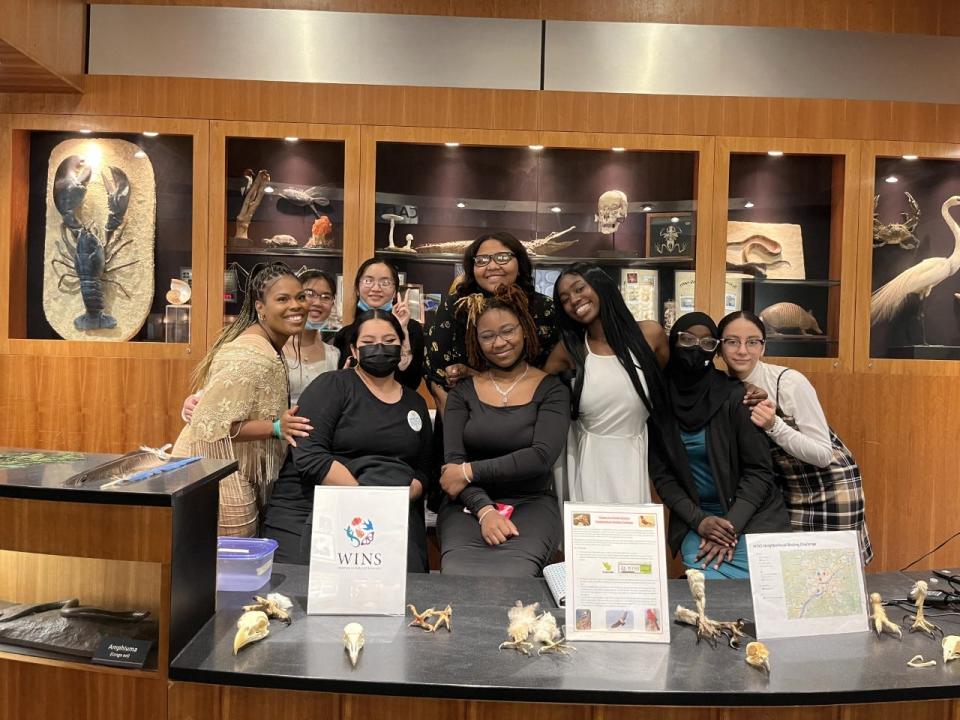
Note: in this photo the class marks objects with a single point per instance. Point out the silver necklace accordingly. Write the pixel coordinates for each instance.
(504, 394)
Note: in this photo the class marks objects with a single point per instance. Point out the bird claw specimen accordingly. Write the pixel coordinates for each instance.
(252, 626)
(919, 594)
(526, 624)
(273, 605)
(951, 648)
(421, 619)
(353, 641)
(758, 656)
(917, 661)
(707, 628)
(881, 623)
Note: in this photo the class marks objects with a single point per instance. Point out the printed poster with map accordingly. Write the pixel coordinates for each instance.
(807, 584)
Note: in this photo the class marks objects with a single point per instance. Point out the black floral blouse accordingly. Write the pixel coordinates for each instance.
(446, 344)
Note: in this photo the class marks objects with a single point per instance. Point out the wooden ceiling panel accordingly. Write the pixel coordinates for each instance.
(20, 73)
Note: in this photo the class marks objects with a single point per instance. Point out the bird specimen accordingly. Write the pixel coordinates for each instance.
(919, 594)
(526, 626)
(252, 626)
(707, 628)
(353, 641)
(881, 623)
(758, 656)
(421, 619)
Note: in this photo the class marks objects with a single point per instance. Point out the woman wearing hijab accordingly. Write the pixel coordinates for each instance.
(712, 466)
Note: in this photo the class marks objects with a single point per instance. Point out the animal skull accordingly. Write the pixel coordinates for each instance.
(758, 656)
(353, 641)
(611, 210)
(951, 648)
(252, 626)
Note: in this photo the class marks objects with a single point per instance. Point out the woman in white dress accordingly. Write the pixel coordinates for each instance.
(308, 356)
(817, 473)
(612, 402)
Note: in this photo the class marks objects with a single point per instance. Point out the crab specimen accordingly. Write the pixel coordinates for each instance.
(712, 630)
(252, 626)
(526, 624)
(951, 648)
(897, 233)
(353, 641)
(273, 605)
(881, 623)
(421, 619)
(919, 594)
(758, 656)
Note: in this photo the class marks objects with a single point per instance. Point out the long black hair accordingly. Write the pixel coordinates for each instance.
(524, 266)
(623, 335)
(374, 314)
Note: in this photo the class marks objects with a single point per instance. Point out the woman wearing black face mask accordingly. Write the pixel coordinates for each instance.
(711, 466)
(503, 430)
(368, 429)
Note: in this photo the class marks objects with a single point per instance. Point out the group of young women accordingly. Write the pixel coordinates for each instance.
(644, 412)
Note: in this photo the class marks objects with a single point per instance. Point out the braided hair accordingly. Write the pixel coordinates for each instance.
(261, 278)
(510, 298)
(622, 333)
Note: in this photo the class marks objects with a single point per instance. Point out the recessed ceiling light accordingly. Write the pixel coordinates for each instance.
(536, 147)
(748, 204)
(150, 133)
(556, 209)
(891, 179)
(140, 154)
(674, 219)
(291, 138)
(775, 153)
(268, 189)
(452, 144)
(85, 131)
(647, 208)
(461, 205)
(909, 157)
(618, 149)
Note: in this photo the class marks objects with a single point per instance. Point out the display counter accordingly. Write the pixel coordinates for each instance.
(398, 660)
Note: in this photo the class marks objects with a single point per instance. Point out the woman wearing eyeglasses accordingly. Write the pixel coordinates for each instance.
(311, 356)
(817, 473)
(377, 285)
(494, 259)
(713, 468)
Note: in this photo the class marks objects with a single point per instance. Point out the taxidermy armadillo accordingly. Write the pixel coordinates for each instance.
(787, 316)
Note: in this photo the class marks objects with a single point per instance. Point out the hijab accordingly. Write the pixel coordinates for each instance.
(697, 388)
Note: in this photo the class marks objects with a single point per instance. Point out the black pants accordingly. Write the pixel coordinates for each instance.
(465, 552)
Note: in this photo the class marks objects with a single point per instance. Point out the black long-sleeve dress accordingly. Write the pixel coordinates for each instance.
(511, 451)
(412, 375)
(380, 443)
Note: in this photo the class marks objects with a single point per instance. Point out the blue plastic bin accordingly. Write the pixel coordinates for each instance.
(244, 563)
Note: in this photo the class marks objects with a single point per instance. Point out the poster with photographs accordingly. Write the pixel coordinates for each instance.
(685, 287)
(639, 290)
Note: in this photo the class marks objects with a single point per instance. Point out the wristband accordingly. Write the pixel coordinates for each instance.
(463, 469)
(483, 514)
(276, 428)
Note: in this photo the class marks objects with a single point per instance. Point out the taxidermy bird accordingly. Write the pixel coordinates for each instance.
(920, 279)
(247, 182)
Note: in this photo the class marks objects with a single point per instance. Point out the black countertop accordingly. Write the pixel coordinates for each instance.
(46, 482)
(397, 660)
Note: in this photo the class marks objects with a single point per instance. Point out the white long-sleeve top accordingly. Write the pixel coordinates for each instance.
(811, 441)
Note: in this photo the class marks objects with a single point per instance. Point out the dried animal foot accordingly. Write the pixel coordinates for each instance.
(420, 618)
(923, 625)
(274, 605)
(559, 646)
(518, 645)
(443, 618)
(881, 623)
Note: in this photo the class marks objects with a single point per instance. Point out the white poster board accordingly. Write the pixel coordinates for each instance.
(685, 289)
(358, 552)
(808, 583)
(616, 573)
(639, 290)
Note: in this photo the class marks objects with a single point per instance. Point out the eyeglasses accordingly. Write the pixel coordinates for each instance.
(382, 283)
(314, 295)
(732, 343)
(500, 258)
(687, 340)
(508, 333)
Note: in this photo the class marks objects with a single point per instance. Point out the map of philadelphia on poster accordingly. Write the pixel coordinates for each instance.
(807, 584)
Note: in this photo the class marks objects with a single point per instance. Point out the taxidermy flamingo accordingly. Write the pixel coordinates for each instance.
(920, 279)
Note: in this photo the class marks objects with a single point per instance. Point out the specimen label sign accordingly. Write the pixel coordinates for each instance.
(358, 551)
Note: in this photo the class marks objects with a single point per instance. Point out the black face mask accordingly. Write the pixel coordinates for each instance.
(379, 360)
(694, 361)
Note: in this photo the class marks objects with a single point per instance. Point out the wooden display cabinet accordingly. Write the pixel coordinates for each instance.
(807, 184)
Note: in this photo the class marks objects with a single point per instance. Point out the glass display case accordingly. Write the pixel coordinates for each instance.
(632, 212)
(915, 288)
(782, 247)
(109, 236)
(284, 201)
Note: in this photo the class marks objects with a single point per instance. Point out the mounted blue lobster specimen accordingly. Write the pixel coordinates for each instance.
(84, 263)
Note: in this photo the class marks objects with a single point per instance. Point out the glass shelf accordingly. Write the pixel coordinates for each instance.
(260, 250)
(775, 281)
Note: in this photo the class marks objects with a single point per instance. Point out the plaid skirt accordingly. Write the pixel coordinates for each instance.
(829, 498)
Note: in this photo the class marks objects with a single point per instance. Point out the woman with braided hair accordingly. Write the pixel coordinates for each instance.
(503, 430)
(243, 411)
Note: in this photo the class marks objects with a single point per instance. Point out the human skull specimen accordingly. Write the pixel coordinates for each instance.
(611, 210)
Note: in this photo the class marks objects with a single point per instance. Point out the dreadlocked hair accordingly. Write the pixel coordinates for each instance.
(510, 298)
(261, 278)
(622, 333)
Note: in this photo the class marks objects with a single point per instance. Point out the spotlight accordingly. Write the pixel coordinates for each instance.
(891, 179)
(536, 147)
(748, 204)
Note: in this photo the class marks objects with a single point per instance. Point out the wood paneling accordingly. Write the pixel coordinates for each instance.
(42, 45)
(21, 73)
(191, 701)
(86, 530)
